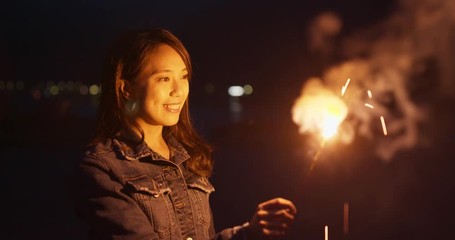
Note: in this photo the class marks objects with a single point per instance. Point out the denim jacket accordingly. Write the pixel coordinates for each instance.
(126, 191)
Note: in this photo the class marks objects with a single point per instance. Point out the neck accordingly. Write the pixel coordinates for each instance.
(153, 136)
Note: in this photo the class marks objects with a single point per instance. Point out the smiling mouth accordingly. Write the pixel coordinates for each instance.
(175, 108)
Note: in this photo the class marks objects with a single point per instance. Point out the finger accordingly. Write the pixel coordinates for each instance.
(280, 226)
(273, 232)
(273, 224)
(278, 203)
(280, 215)
(276, 225)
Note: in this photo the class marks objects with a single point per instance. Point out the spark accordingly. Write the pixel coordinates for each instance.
(369, 94)
(369, 105)
(346, 218)
(343, 89)
(384, 129)
(326, 232)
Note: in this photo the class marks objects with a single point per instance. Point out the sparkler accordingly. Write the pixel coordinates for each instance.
(319, 111)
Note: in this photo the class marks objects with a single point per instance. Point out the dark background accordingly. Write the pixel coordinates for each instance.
(258, 152)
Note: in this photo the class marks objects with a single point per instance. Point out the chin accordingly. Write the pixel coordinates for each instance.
(171, 123)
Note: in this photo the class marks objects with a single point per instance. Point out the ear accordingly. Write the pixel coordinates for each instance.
(124, 89)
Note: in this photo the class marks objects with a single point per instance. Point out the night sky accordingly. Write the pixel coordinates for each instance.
(259, 153)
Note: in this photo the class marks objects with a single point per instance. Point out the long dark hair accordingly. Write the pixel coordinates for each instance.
(126, 61)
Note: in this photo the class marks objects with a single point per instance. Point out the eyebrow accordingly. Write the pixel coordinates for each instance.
(165, 71)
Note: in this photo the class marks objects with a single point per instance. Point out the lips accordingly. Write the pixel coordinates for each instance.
(174, 108)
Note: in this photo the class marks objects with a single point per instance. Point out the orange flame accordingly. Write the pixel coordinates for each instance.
(319, 110)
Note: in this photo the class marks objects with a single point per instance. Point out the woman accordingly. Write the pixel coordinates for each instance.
(145, 175)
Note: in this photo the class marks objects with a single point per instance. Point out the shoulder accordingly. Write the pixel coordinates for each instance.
(100, 153)
(99, 148)
(118, 159)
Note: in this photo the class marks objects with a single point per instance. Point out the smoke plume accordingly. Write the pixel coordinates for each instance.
(385, 59)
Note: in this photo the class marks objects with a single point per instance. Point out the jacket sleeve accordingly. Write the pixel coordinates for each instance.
(100, 202)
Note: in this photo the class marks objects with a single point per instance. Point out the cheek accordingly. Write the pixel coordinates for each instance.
(150, 98)
(186, 89)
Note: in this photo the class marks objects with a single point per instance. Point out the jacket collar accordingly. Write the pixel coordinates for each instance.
(130, 146)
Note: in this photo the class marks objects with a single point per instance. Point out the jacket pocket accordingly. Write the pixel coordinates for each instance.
(153, 198)
(199, 191)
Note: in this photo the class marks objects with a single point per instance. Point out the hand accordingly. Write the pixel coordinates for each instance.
(272, 219)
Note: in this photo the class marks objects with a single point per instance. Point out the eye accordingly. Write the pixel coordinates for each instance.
(164, 79)
(185, 77)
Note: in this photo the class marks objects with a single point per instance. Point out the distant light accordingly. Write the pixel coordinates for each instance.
(49, 84)
(70, 85)
(19, 85)
(46, 93)
(2, 85)
(61, 85)
(83, 89)
(36, 94)
(248, 89)
(94, 89)
(9, 85)
(236, 91)
(53, 90)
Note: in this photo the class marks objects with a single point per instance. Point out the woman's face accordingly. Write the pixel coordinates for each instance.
(163, 88)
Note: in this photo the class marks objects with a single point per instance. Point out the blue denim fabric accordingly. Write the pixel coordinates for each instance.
(128, 191)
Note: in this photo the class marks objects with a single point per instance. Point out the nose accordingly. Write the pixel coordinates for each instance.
(177, 89)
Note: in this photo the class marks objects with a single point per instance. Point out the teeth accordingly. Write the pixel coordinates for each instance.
(172, 106)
